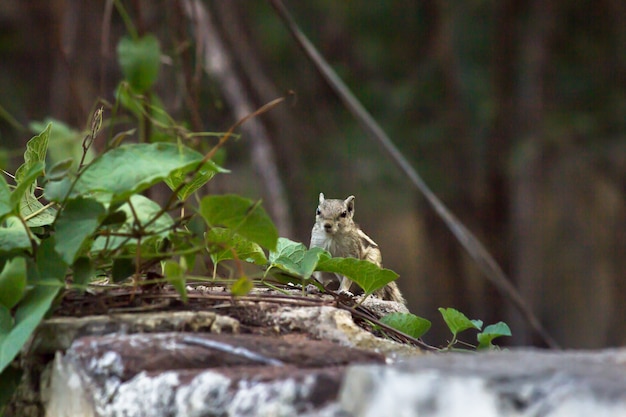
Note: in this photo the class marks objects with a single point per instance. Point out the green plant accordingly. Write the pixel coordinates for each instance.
(73, 217)
(457, 322)
(97, 222)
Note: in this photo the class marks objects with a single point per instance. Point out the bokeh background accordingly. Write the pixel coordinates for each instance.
(513, 111)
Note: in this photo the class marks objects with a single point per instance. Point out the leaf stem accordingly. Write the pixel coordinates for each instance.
(130, 27)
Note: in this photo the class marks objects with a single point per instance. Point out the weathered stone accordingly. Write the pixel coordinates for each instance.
(164, 375)
(147, 366)
(58, 333)
(499, 384)
(262, 317)
(329, 323)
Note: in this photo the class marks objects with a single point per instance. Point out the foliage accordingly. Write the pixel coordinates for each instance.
(457, 322)
(140, 61)
(407, 323)
(96, 219)
(65, 222)
(295, 259)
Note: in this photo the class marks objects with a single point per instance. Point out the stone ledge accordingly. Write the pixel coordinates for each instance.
(162, 375)
(516, 383)
(140, 364)
(496, 384)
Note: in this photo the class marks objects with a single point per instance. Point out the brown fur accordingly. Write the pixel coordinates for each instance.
(335, 231)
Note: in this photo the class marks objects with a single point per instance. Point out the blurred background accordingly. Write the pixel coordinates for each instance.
(514, 113)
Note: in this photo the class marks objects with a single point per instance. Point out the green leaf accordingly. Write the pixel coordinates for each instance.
(175, 275)
(12, 282)
(122, 269)
(43, 216)
(26, 186)
(241, 287)
(187, 261)
(368, 276)
(78, 221)
(141, 106)
(49, 262)
(407, 323)
(13, 237)
(5, 198)
(84, 270)
(294, 258)
(64, 143)
(145, 210)
(6, 322)
(222, 242)
(35, 154)
(457, 321)
(132, 168)
(59, 170)
(203, 176)
(490, 333)
(58, 191)
(243, 216)
(140, 60)
(131, 101)
(29, 314)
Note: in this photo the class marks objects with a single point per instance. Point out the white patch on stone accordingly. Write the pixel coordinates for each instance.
(206, 395)
(144, 395)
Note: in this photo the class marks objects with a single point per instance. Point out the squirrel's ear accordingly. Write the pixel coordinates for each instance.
(349, 202)
(321, 198)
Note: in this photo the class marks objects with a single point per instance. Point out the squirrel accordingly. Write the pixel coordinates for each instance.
(335, 231)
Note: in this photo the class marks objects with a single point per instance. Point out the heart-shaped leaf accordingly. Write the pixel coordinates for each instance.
(140, 60)
(368, 276)
(407, 323)
(490, 333)
(243, 216)
(132, 168)
(222, 242)
(458, 322)
(294, 258)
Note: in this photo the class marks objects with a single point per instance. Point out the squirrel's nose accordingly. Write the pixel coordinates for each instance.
(328, 227)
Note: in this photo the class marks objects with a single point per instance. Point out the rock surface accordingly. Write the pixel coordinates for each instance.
(165, 375)
(499, 384)
(264, 354)
(267, 358)
(97, 378)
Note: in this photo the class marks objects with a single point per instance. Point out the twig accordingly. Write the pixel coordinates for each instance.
(39, 211)
(364, 314)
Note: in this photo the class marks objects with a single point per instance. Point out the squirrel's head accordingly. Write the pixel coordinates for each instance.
(335, 215)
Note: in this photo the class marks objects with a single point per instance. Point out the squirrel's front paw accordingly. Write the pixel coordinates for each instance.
(346, 293)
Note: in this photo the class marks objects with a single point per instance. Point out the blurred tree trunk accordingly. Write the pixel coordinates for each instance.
(287, 133)
(218, 62)
(527, 120)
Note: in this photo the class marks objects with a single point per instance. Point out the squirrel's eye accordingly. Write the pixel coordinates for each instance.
(318, 212)
(344, 213)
